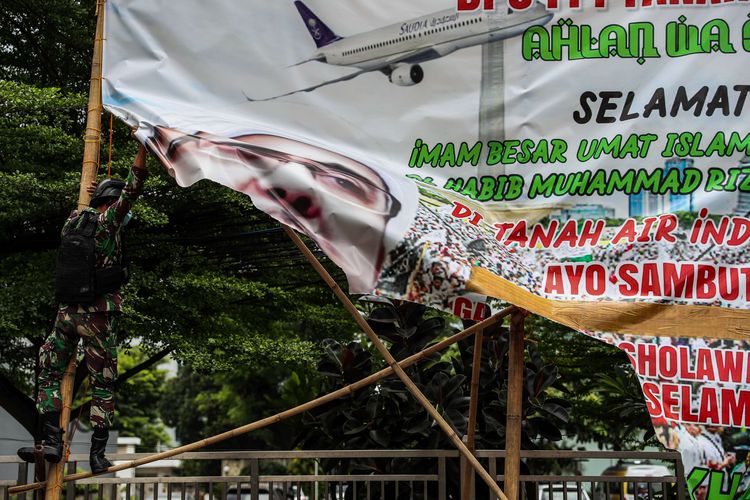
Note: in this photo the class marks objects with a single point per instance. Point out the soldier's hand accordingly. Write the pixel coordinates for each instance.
(140, 157)
(91, 188)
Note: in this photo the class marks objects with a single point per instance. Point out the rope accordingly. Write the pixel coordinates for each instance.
(100, 108)
(109, 163)
(59, 475)
(93, 134)
(80, 411)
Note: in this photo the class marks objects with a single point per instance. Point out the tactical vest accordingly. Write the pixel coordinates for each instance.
(77, 280)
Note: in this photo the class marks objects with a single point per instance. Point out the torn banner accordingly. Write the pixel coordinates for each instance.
(590, 165)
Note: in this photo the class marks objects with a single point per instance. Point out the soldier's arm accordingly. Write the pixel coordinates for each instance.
(69, 222)
(115, 214)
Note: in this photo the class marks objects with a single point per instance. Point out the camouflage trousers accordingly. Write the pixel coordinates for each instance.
(100, 353)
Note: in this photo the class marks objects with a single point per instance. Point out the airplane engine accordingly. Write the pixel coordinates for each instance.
(406, 75)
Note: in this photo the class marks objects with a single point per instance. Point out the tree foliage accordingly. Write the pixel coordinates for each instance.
(198, 404)
(214, 280)
(47, 43)
(608, 407)
(385, 415)
(137, 415)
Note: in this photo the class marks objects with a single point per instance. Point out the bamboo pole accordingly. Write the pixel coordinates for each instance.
(400, 373)
(92, 137)
(260, 424)
(54, 484)
(515, 403)
(468, 480)
(88, 175)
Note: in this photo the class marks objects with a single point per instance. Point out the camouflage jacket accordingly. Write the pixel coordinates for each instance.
(108, 241)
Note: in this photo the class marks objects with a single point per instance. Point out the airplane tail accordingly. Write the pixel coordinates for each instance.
(321, 34)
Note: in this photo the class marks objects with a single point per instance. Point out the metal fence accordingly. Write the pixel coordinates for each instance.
(438, 477)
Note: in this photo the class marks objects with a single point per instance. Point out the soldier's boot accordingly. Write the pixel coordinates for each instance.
(97, 461)
(52, 442)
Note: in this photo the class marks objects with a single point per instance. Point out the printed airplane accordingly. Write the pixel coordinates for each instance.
(398, 50)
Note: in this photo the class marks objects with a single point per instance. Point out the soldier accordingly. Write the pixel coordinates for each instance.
(88, 310)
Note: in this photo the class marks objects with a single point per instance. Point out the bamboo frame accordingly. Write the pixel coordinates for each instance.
(515, 404)
(265, 422)
(467, 481)
(92, 138)
(400, 373)
(56, 471)
(89, 168)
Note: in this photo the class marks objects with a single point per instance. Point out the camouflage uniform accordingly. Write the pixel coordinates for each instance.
(95, 324)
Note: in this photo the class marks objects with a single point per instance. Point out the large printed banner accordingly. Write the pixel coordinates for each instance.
(587, 162)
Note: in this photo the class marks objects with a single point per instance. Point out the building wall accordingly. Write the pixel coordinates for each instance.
(14, 436)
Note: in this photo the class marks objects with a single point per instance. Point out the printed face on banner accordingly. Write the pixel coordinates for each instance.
(588, 164)
(333, 199)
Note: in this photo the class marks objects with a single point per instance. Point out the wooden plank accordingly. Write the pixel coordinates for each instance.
(23, 473)
(644, 318)
(254, 480)
(70, 490)
(442, 495)
(274, 455)
(608, 455)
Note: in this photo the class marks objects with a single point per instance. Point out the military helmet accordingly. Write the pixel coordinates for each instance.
(108, 188)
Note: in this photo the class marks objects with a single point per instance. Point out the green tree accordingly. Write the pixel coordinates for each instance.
(199, 404)
(47, 42)
(137, 415)
(607, 404)
(210, 272)
(215, 282)
(39, 130)
(385, 415)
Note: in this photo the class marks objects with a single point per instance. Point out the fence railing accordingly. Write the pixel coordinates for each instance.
(412, 474)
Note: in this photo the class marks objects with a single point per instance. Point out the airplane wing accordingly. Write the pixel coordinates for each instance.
(411, 57)
(314, 87)
(416, 56)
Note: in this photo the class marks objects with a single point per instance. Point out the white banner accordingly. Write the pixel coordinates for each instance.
(589, 164)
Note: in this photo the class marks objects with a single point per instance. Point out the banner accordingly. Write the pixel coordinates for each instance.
(587, 161)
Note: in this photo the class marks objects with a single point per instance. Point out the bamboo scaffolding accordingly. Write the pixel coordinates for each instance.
(89, 169)
(92, 138)
(400, 373)
(515, 404)
(90, 166)
(467, 481)
(265, 422)
(56, 471)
